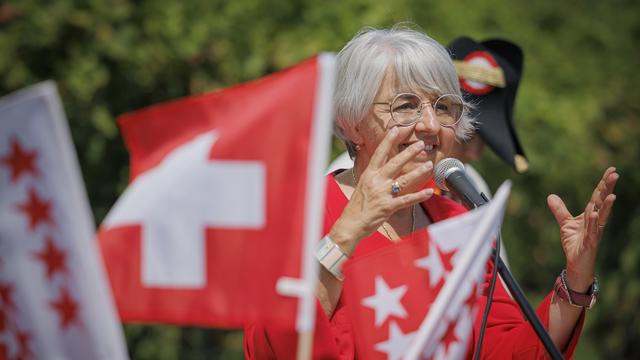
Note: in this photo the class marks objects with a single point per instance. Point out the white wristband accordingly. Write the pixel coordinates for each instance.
(331, 256)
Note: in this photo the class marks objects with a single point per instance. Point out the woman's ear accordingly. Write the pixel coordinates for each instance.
(350, 132)
(355, 135)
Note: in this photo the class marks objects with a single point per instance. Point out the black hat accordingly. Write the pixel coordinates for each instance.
(489, 74)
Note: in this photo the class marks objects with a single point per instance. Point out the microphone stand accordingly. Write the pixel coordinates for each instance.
(528, 311)
(519, 296)
(459, 185)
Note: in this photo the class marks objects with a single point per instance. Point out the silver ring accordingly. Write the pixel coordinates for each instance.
(395, 188)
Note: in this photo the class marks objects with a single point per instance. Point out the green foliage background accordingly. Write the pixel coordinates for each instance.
(577, 111)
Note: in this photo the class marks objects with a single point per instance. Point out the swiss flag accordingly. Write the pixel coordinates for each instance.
(210, 230)
(418, 298)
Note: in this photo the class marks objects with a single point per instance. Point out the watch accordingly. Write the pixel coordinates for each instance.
(577, 299)
(331, 256)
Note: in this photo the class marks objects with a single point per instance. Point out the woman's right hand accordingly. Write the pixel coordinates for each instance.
(372, 202)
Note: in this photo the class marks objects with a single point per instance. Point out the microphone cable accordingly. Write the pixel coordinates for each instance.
(492, 285)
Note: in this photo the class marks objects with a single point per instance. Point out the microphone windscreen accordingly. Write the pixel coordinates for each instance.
(443, 168)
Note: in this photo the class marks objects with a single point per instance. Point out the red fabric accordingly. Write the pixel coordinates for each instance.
(508, 335)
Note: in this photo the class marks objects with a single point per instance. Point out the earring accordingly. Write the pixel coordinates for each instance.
(357, 147)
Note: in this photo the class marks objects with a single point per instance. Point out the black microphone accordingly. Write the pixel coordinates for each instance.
(451, 176)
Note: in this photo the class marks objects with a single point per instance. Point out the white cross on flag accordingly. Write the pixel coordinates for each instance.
(224, 203)
(54, 299)
(419, 298)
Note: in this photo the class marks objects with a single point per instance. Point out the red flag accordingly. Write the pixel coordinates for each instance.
(395, 294)
(54, 299)
(210, 229)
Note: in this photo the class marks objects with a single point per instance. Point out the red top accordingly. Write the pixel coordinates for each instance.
(507, 336)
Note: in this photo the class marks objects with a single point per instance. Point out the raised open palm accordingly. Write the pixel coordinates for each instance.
(580, 235)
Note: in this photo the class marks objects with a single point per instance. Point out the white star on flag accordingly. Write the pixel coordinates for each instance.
(386, 301)
(433, 264)
(397, 344)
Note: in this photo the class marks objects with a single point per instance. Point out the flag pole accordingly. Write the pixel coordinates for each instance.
(305, 345)
(318, 160)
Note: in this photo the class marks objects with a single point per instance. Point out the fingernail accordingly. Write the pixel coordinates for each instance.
(394, 131)
(419, 145)
(428, 191)
(428, 165)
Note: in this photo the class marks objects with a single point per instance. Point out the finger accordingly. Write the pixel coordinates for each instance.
(611, 181)
(592, 228)
(605, 186)
(403, 201)
(558, 208)
(395, 164)
(379, 157)
(603, 214)
(413, 177)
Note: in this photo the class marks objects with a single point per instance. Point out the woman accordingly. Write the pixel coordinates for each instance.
(399, 110)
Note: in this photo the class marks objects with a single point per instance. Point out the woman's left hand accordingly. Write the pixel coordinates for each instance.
(580, 235)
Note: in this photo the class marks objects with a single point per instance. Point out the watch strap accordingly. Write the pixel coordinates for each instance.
(577, 299)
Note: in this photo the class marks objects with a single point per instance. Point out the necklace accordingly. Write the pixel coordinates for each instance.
(413, 209)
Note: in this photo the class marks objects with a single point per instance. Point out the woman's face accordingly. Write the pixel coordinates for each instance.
(438, 139)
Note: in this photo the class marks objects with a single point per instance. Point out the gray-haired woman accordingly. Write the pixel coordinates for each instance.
(399, 110)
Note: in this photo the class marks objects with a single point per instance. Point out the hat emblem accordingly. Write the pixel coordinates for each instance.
(480, 73)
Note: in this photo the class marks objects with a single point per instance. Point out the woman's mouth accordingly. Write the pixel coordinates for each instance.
(429, 148)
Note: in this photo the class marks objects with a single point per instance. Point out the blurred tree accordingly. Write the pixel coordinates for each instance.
(577, 111)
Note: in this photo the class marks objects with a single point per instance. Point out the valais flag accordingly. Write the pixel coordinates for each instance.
(419, 298)
(55, 302)
(224, 204)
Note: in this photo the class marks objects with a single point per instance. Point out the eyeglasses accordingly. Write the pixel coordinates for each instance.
(406, 109)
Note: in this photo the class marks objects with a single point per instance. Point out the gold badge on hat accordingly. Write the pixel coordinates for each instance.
(479, 73)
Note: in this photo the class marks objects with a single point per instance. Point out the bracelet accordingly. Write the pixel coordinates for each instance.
(574, 298)
(331, 256)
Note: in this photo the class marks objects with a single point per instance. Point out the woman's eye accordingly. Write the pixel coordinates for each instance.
(404, 107)
(440, 107)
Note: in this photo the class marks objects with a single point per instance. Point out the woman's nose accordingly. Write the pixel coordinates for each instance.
(428, 122)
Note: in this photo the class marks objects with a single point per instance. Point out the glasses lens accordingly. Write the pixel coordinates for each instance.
(406, 108)
(448, 109)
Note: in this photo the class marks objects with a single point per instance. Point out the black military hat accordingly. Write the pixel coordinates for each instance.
(489, 73)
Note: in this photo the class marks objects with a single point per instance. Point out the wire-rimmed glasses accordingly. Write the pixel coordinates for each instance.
(406, 109)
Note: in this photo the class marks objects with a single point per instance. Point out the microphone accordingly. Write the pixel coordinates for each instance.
(451, 176)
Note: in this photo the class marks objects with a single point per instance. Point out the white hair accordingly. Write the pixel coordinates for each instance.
(419, 62)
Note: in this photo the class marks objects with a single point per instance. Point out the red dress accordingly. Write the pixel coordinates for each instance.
(508, 335)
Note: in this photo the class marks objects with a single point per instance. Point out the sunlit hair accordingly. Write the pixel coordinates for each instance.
(420, 64)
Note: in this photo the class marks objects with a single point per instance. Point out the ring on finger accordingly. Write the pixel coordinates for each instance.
(395, 188)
